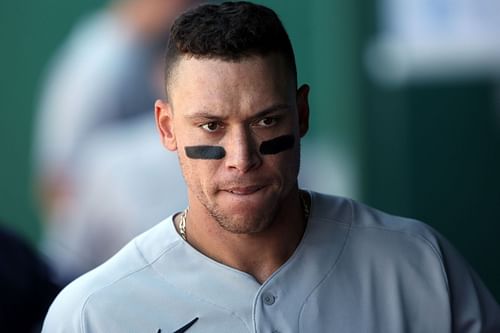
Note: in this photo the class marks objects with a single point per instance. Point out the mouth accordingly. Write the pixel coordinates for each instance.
(244, 190)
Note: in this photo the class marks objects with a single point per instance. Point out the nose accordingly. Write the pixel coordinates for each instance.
(242, 151)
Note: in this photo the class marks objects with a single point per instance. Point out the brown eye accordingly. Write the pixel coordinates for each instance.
(211, 126)
(267, 122)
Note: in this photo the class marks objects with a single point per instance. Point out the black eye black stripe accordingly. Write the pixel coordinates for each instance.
(205, 152)
(277, 145)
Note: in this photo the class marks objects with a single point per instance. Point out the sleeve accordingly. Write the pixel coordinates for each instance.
(473, 308)
(64, 316)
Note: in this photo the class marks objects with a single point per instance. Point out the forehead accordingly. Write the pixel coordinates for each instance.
(250, 83)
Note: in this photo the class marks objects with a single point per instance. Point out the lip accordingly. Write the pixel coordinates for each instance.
(244, 190)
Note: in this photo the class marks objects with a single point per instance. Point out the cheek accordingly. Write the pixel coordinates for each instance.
(283, 152)
(285, 162)
(277, 145)
(198, 171)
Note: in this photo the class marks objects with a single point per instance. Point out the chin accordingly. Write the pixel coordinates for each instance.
(249, 222)
(244, 225)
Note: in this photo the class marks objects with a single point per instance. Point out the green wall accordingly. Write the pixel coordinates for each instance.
(433, 153)
(29, 33)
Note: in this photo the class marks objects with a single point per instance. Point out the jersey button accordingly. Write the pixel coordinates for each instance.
(268, 298)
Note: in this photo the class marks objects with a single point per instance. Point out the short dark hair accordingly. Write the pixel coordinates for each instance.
(230, 31)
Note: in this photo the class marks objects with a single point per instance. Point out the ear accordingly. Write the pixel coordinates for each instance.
(303, 109)
(165, 124)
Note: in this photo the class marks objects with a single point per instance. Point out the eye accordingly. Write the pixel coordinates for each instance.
(267, 122)
(211, 126)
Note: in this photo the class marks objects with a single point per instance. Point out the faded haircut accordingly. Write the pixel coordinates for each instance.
(231, 31)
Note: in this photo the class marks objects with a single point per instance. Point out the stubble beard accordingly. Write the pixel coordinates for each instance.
(257, 222)
(249, 224)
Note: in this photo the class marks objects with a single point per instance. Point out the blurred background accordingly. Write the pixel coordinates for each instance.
(405, 101)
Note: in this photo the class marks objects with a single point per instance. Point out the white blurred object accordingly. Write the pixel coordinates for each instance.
(328, 169)
(127, 182)
(101, 173)
(435, 39)
(90, 82)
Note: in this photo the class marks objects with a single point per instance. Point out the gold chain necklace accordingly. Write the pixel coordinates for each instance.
(182, 223)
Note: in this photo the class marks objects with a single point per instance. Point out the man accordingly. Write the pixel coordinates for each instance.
(253, 253)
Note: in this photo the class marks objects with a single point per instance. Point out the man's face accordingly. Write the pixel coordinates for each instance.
(237, 128)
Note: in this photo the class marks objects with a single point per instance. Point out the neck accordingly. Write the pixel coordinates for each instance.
(258, 254)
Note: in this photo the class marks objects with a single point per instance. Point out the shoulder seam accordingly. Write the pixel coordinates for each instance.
(420, 237)
(146, 265)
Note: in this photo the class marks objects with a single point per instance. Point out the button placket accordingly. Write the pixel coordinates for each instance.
(267, 318)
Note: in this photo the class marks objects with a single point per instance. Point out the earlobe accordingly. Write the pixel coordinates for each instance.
(165, 124)
(303, 109)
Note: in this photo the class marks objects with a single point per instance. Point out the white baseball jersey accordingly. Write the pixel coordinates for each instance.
(355, 270)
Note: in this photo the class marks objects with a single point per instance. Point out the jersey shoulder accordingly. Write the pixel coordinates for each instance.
(90, 289)
(380, 233)
(406, 257)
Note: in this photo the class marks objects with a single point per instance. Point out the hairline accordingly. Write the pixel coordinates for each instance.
(174, 64)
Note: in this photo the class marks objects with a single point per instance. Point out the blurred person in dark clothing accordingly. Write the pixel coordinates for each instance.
(26, 285)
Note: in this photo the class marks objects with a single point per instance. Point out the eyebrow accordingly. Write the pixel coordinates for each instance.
(272, 109)
(203, 114)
